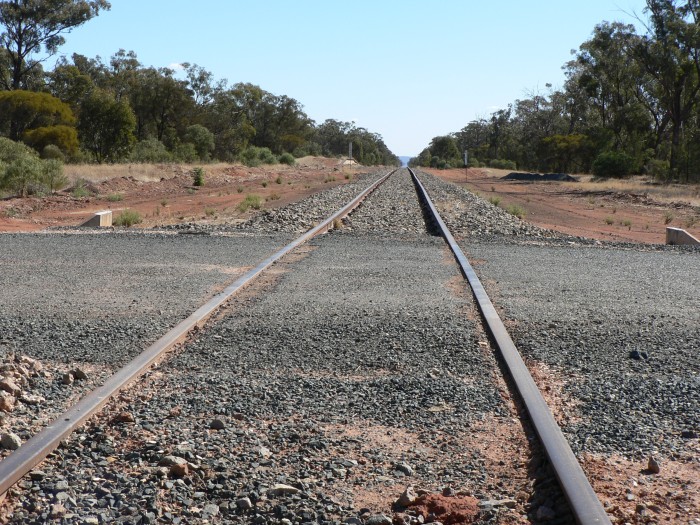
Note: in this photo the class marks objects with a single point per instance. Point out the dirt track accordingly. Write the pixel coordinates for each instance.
(577, 210)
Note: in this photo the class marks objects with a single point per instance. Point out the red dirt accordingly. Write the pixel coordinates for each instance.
(167, 194)
(575, 210)
(448, 510)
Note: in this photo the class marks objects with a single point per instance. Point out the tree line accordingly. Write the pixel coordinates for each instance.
(88, 110)
(629, 104)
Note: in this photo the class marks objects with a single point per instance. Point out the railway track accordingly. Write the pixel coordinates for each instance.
(400, 387)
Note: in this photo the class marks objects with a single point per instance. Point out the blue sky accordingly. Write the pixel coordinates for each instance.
(406, 69)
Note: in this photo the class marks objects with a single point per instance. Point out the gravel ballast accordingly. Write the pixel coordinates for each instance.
(94, 301)
(363, 373)
(620, 325)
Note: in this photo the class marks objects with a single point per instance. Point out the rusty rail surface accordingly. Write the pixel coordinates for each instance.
(37, 448)
(584, 502)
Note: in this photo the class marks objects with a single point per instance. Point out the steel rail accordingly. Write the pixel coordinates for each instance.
(583, 500)
(38, 447)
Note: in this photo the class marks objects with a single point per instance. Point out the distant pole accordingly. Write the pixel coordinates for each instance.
(466, 165)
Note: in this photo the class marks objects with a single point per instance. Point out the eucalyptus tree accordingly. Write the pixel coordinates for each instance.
(30, 26)
(670, 55)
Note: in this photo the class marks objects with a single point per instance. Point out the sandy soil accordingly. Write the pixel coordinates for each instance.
(630, 211)
(165, 194)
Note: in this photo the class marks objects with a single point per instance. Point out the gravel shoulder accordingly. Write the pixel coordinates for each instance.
(616, 330)
(94, 301)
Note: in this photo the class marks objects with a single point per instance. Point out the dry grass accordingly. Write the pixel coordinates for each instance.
(668, 193)
(665, 193)
(140, 172)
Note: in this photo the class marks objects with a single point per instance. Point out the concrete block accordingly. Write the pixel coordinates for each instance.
(679, 236)
(101, 219)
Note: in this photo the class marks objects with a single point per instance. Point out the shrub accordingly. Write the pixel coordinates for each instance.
(250, 201)
(273, 197)
(287, 158)
(53, 176)
(612, 164)
(52, 152)
(128, 218)
(201, 139)
(502, 164)
(659, 169)
(668, 217)
(150, 151)
(253, 156)
(114, 197)
(516, 211)
(495, 200)
(278, 180)
(185, 153)
(65, 138)
(198, 176)
(79, 189)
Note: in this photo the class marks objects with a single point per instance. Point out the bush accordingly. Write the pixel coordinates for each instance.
(659, 169)
(250, 201)
(201, 139)
(64, 138)
(612, 164)
(150, 151)
(128, 218)
(516, 210)
(502, 164)
(52, 152)
(287, 158)
(53, 176)
(185, 153)
(23, 172)
(198, 176)
(495, 200)
(253, 156)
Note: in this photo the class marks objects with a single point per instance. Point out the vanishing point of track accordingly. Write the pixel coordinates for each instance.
(584, 504)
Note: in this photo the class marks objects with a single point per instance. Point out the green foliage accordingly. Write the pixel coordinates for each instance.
(128, 218)
(516, 210)
(202, 139)
(21, 111)
(612, 164)
(65, 138)
(250, 201)
(80, 190)
(114, 197)
(185, 152)
(502, 164)
(495, 200)
(659, 169)
(253, 156)
(23, 172)
(53, 176)
(150, 151)
(31, 26)
(198, 176)
(287, 158)
(52, 152)
(106, 127)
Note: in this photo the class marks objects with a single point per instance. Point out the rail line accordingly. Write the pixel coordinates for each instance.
(583, 501)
